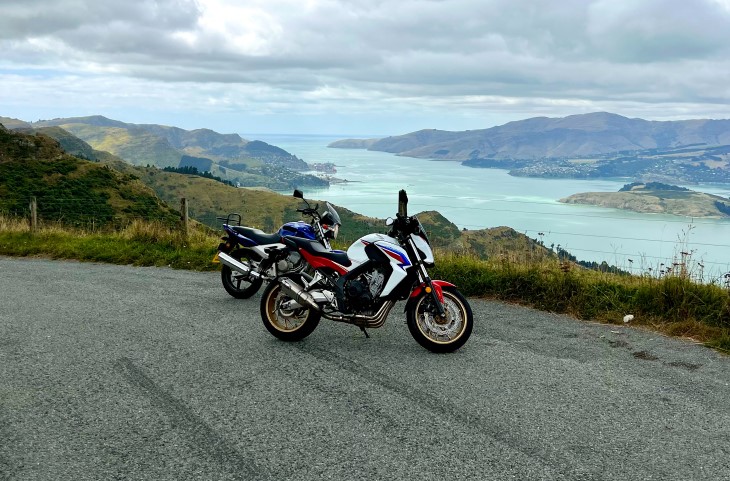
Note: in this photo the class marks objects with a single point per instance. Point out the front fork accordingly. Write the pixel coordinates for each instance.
(433, 289)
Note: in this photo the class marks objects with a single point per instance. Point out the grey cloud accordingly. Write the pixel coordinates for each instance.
(659, 30)
(602, 50)
(342, 34)
(63, 20)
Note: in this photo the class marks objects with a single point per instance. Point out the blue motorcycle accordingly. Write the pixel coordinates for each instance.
(250, 256)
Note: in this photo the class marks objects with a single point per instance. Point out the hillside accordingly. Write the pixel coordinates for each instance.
(265, 209)
(249, 163)
(69, 189)
(657, 198)
(269, 210)
(578, 146)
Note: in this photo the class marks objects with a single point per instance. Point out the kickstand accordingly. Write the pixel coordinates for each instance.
(365, 332)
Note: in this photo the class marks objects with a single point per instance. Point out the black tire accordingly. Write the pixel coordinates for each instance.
(235, 283)
(287, 325)
(440, 335)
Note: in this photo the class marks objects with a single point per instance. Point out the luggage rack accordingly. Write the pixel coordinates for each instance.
(230, 218)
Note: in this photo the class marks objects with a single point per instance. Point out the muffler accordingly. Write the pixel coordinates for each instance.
(293, 290)
(234, 264)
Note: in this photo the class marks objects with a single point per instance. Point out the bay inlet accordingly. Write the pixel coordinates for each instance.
(475, 198)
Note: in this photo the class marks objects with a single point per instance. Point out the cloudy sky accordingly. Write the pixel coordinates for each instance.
(367, 67)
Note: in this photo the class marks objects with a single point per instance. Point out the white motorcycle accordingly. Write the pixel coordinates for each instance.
(362, 285)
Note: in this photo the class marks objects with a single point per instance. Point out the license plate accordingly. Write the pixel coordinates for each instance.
(215, 259)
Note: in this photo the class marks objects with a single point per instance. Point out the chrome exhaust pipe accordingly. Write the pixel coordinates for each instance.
(371, 322)
(234, 264)
(293, 290)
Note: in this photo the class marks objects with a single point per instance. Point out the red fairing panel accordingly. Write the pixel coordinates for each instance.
(437, 285)
(318, 262)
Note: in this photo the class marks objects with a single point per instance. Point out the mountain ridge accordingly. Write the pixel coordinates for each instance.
(228, 156)
(543, 137)
(595, 145)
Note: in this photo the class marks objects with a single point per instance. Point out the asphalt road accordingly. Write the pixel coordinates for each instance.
(113, 372)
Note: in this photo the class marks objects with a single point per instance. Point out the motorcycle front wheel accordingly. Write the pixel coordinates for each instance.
(239, 285)
(282, 321)
(436, 333)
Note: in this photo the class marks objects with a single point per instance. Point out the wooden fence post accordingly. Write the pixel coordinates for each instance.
(184, 220)
(33, 214)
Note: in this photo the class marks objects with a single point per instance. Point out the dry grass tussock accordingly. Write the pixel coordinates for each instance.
(135, 230)
(158, 232)
(13, 224)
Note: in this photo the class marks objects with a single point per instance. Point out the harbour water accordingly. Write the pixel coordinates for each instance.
(475, 198)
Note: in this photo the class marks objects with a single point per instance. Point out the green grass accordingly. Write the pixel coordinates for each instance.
(674, 305)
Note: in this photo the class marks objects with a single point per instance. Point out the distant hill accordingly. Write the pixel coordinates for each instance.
(353, 143)
(68, 189)
(10, 123)
(159, 145)
(578, 146)
(541, 137)
(228, 156)
(657, 198)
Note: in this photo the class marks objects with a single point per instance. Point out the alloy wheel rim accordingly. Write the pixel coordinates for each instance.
(285, 320)
(442, 330)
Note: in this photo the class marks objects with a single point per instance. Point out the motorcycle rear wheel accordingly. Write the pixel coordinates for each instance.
(237, 284)
(440, 334)
(286, 324)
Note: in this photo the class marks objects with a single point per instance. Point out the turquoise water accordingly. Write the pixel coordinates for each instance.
(479, 198)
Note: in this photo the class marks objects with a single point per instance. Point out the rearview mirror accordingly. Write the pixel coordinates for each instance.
(298, 194)
(389, 221)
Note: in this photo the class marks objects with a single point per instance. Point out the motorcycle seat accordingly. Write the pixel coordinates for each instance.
(258, 236)
(317, 249)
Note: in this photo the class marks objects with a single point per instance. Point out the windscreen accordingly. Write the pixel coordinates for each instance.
(421, 231)
(334, 214)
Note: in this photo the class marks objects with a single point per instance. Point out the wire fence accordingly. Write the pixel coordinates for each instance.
(87, 213)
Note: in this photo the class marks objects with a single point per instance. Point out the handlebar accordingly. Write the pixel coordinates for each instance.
(404, 225)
